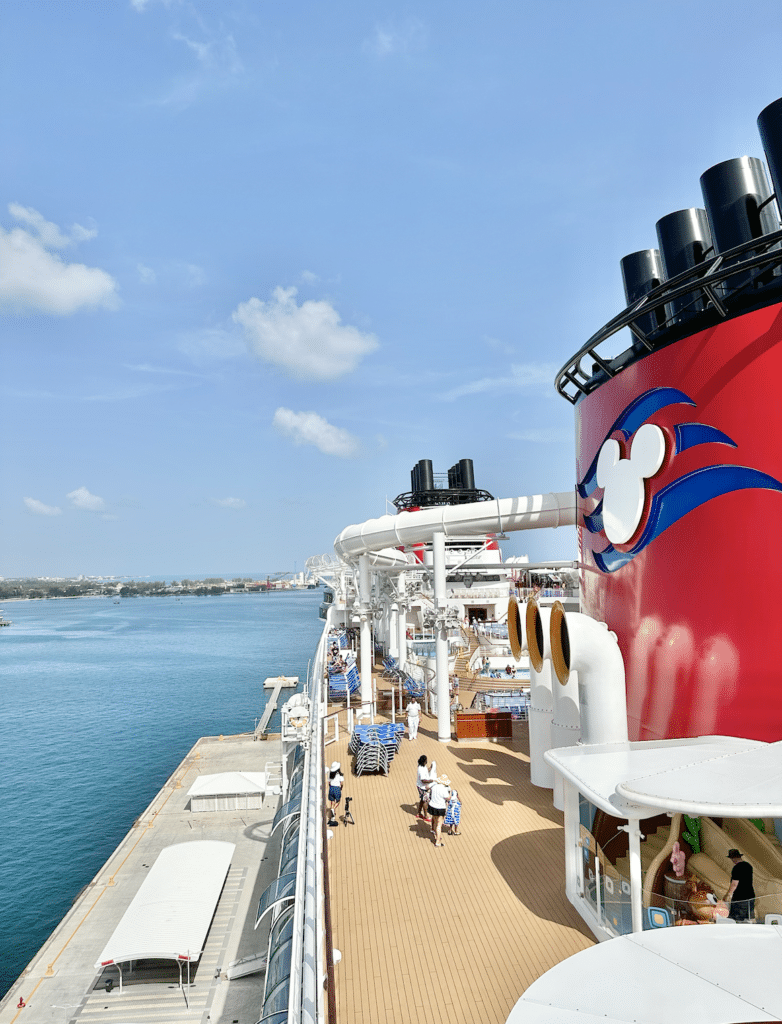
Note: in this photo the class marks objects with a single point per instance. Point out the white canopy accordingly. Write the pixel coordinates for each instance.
(228, 783)
(639, 779)
(739, 784)
(170, 915)
(704, 975)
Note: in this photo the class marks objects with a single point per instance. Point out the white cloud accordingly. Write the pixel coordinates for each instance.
(309, 341)
(218, 54)
(82, 499)
(310, 428)
(165, 371)
(141, 5)
(308, 277)
(39, 509)
(33, 278)
(217, 66)
(177, 272)
(49, 234)
(82, 234)
(523, 376)
(400, 38)
(499, 346)
(230, 502)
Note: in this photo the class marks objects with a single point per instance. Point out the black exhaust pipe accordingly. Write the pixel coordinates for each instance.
(641, 272)
(736, 194)
(685, 241)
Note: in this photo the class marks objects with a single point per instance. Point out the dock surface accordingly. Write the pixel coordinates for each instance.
(449, 935)
(62, 985)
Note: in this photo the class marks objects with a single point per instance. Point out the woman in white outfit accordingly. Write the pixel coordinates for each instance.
(423, 782)
(439, 795)
(413, 718)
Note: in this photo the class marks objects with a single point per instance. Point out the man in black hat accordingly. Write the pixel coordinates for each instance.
(741, 894)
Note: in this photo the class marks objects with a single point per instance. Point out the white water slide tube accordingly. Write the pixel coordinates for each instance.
(500, 515)
(377, 539)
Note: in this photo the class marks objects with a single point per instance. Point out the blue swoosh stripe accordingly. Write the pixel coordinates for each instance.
(688, 435)
(630, 419)
(679, 498)
(609, 560)
(594, 521)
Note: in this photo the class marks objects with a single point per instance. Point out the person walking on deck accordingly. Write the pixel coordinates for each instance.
(439, 795)
(423, 782)
(413, 718)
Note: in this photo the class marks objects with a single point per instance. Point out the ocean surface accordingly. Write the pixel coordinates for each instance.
(100, 702)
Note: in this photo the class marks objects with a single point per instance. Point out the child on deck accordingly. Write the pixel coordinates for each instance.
(453, 813)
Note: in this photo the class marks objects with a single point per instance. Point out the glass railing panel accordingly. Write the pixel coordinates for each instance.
(286, 811)
(280, 891)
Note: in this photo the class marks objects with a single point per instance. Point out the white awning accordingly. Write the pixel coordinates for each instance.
(705, 975)
(639, 779)
(170, 915)
(228, 784)
(737, 784)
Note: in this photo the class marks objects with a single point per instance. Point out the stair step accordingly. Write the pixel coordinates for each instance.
(656, 843)
(647, 856)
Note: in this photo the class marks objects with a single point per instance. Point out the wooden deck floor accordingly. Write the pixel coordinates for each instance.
(455, 933)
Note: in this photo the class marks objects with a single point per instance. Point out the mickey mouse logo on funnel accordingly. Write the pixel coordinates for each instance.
(627, 486)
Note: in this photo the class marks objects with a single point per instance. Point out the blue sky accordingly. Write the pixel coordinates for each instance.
(258, 258)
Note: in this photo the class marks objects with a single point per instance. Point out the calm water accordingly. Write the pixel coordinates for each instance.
(99, 703)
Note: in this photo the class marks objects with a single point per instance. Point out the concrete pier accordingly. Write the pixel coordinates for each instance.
(61, 984)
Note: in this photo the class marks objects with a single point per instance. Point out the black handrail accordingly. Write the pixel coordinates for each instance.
(572, 381)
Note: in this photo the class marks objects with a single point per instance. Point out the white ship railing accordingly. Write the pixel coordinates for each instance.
(308, 964)
(314, 971)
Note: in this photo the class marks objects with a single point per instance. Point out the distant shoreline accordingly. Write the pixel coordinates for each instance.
(134, 597)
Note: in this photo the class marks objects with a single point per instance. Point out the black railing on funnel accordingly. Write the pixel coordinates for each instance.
(714, 279)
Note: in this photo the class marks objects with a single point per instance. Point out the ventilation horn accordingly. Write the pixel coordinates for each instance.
(581, 644)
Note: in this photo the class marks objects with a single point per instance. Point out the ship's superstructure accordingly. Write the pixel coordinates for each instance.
(679, 469)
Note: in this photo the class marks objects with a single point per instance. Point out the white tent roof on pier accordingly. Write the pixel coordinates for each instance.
(170, 915)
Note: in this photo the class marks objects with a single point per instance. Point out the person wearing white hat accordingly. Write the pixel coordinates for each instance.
(439, 795)
(335, 790)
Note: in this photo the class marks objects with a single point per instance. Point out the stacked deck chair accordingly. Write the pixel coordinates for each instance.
(371, 757)
(375, 746)
(389, 734)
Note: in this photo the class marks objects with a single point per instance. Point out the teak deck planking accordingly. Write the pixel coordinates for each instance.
(455, 933)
